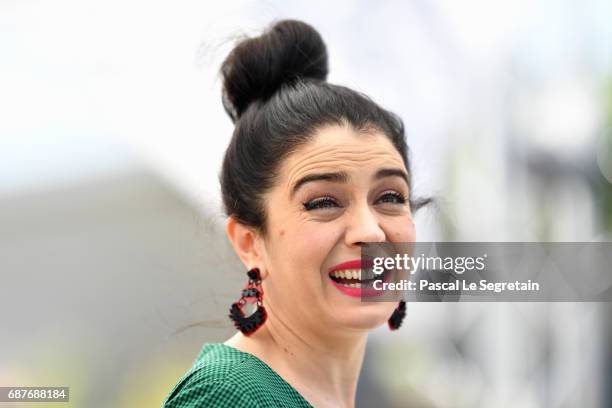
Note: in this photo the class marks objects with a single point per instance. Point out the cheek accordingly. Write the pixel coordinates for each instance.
(308, 244)
(317, 242)
(403, 231)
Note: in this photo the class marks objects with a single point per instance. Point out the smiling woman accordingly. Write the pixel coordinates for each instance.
(313, 172)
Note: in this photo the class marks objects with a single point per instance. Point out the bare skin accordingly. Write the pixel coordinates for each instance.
(315, 335)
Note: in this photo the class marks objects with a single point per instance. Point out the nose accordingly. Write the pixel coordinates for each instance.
(364, 226)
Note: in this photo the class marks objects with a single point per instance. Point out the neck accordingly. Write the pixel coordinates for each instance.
(323, 368)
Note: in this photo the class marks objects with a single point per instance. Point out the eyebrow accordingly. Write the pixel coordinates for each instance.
(343, 177)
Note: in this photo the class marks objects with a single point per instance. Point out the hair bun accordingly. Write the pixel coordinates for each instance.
(258, 67)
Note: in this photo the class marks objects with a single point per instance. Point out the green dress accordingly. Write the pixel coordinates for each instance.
(223, 376)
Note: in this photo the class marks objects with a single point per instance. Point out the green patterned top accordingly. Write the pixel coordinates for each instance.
(223, 376)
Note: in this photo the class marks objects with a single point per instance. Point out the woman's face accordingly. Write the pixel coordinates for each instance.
(335, 193)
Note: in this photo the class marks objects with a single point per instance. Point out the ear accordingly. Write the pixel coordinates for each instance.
(248, 245)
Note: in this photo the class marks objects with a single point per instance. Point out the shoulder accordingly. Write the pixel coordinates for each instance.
(193, 393)
(225, 377)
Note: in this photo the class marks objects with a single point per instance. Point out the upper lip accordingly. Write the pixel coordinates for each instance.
(353, 264)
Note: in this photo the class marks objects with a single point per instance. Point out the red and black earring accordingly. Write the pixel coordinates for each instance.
(252, 293)
(395, 321)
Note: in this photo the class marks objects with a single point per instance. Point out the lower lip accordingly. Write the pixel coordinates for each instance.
(361, 292)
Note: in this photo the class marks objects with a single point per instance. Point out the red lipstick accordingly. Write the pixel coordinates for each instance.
(354, 291)
(354, 264)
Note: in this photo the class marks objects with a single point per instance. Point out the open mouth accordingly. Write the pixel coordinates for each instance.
(351, 278)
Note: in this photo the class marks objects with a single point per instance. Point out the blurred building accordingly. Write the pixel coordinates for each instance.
(99, 279)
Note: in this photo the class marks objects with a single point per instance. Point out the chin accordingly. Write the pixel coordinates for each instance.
(369, 317)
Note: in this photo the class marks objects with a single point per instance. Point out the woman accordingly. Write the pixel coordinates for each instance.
(312, 173)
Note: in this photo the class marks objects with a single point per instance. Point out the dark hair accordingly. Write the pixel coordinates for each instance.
(275, 91)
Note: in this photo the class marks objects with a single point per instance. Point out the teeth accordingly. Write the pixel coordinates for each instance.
(348, 274)
(352, 285)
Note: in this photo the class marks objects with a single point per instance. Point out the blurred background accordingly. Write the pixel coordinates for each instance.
(114, 265)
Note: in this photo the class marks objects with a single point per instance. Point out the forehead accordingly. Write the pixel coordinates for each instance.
(335, 148)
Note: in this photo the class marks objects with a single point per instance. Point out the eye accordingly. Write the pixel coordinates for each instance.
(323, 202)
(393, 197)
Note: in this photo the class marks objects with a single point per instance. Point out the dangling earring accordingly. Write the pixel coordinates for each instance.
(252, 293)
(395, 321)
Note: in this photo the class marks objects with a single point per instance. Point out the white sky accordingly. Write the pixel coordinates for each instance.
(91, 87)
